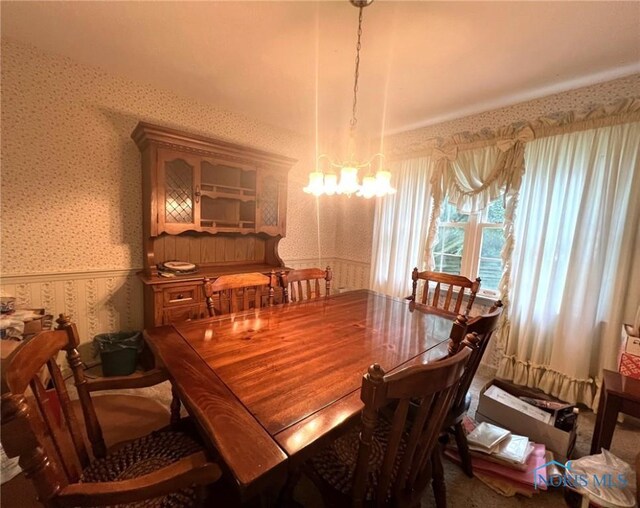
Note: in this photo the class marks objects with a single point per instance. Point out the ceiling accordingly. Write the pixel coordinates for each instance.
(421, 63)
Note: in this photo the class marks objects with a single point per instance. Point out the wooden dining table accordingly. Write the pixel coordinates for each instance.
(268, 387)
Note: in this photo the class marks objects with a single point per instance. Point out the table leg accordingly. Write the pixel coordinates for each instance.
(605, 422)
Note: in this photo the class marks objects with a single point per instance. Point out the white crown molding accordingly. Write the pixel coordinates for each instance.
(524, 96)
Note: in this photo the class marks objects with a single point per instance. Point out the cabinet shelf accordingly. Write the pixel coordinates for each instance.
(238, 193)
(226, 224)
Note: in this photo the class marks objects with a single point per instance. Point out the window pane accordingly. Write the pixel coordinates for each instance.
(450, 214)
(495, 214)
(450, 240)
(451, 264)
(492, 242)
(490, 273)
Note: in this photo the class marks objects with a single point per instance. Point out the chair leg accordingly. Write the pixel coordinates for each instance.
(175, 408)
(437, 479)
(285, 499)
(463, 449)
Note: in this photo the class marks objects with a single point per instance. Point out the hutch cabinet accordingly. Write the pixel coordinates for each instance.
(220, 206)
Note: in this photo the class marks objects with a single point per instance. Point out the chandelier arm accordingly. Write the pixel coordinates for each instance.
(374, 156)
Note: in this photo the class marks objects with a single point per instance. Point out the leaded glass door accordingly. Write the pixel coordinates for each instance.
(179, 196)
(272, 202)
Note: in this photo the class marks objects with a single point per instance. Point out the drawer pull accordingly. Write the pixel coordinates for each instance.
(180, 298)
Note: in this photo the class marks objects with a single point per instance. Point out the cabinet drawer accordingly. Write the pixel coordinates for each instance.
(184, 313)
(181, 295)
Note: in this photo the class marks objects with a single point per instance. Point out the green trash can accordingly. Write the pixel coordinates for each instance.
(118, 352)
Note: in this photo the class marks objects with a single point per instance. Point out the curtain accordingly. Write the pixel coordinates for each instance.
(400, 228)
(576, 225)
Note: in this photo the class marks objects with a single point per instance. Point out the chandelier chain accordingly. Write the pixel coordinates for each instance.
(354, 119)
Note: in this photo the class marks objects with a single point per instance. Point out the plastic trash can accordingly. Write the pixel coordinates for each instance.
(118, 352)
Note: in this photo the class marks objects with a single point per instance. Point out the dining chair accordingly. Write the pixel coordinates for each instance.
(304, 284)
(165, 468)
(451, 287)
(238, 292)
(390, 458)
(478, 332)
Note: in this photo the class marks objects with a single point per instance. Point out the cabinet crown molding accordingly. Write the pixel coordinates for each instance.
(146, 133)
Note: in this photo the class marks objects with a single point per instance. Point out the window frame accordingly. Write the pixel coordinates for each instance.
(472, 245)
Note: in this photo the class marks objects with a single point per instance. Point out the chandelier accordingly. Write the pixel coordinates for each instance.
(374, 184)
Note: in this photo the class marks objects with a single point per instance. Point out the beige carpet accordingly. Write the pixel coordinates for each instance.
(462, 492)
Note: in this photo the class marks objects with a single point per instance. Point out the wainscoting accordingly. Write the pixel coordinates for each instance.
(111, 300)
(97, 301)
(347, 274)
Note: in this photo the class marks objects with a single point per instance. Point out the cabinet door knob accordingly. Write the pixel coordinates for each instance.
(180, 296)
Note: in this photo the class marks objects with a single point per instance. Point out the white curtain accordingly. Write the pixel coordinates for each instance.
(576, 226)
(400, 228)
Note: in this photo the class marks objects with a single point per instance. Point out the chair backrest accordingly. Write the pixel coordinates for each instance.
(406, 468)
(478, 333)
(39, 425)
(304, 284)
(238, 292)
(454, 294)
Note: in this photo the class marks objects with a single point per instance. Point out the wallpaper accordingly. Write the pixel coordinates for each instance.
(71, 177)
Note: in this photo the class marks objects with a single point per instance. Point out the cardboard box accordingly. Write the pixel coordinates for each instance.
(631, 341)
(489, 410)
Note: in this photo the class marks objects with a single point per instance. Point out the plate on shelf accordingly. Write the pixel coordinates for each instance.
(178, 267)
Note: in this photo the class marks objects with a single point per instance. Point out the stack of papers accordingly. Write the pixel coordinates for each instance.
(498, 445)
(486, 437)
(521, 481)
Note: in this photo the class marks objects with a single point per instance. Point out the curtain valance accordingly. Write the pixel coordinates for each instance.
(620, 112)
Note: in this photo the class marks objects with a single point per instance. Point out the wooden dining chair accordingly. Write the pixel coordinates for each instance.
(165, 468)
(238, 292)
(478, 332)
(304, 284)
(451, 287)
(390, 461)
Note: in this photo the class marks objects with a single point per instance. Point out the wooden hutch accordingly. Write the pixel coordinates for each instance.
(220, 206)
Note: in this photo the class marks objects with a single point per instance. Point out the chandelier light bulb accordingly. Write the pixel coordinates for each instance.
(316, 185)
(348, 181)
(369, 188)
(383, 183)
(330, 184)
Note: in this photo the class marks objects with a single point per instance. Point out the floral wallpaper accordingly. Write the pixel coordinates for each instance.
(71, 177)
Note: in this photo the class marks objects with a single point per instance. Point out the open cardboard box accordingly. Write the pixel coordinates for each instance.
(492, 411)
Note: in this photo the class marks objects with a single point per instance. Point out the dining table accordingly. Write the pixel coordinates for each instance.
(268, 387)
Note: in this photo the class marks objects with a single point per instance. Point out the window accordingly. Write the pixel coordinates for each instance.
(470, 244)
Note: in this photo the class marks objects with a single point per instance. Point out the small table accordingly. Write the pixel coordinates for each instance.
(619, 394)
(270, 386)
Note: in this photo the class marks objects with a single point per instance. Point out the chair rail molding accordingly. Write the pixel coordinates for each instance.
(101, 301)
